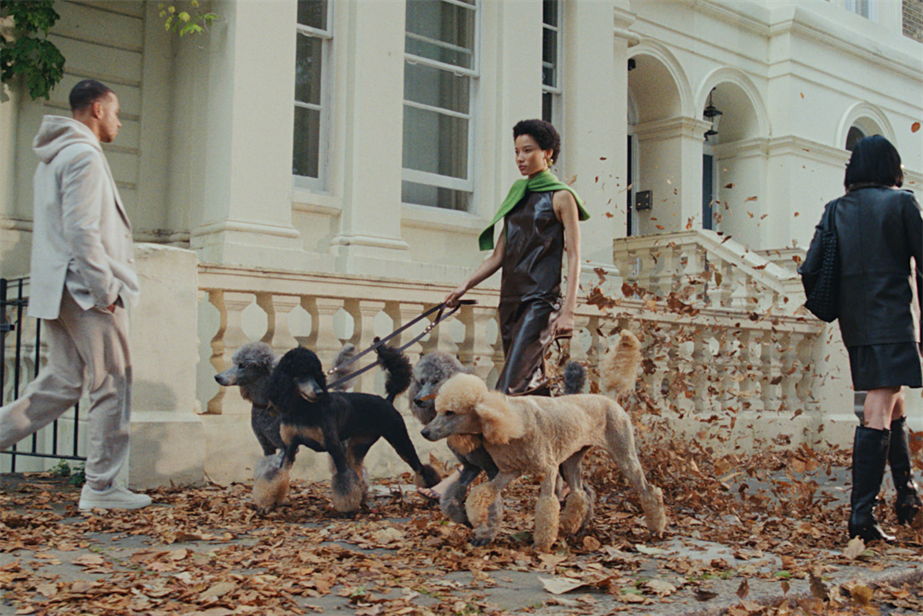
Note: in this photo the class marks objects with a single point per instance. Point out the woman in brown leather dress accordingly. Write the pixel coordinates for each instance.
(540, 225)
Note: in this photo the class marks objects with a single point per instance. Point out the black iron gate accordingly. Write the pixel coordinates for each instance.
(13, 320)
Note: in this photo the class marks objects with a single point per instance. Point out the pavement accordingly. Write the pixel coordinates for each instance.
(53, 553)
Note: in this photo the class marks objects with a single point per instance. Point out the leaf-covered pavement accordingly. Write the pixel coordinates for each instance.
(756, 534)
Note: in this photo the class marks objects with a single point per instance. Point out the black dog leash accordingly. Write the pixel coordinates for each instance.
(441, 316)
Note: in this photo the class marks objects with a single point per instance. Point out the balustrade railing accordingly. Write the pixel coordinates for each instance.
(717, 331)
(703, 267)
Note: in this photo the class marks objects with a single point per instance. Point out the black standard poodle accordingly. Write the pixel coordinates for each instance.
(251, 367)
(345, 425)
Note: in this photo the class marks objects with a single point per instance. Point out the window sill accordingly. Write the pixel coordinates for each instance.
(434, 218)
(305, 200)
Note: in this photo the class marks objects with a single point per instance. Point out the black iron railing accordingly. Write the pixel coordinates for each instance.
(13, 320)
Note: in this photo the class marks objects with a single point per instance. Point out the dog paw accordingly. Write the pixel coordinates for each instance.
(479, 541)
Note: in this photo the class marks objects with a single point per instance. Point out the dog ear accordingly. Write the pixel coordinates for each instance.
(500, 423)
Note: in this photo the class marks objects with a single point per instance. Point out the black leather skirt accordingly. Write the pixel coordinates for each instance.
(526, 328)
(885, 365)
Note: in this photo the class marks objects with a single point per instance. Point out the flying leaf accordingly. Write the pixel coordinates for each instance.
(914, 127)
(818, 588)
(744, 589)
(861, 593)
(855, 547)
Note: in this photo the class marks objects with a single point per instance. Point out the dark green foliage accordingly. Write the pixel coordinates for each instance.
(29, 53)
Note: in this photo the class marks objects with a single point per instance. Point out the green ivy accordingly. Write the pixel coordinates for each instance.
(183, 22)
(35, 58)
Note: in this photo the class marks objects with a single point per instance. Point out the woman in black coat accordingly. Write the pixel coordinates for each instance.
(879, 229)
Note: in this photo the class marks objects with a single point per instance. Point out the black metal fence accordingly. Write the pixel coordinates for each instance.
(14, 322)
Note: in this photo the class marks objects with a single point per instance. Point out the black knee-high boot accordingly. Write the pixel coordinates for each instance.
(908, 501)
(869, 458)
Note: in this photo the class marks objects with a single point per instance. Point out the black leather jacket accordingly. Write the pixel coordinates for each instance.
(878, 231)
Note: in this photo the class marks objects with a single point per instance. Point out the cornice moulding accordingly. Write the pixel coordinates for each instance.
(671, 128)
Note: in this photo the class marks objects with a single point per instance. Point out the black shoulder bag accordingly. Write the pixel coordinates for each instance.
(820, 272)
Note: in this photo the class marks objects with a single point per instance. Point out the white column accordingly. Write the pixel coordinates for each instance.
(245, 214)
(676, 182)
(369, 239)
(594, 134)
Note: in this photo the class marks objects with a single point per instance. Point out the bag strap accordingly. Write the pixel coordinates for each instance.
(831, 216)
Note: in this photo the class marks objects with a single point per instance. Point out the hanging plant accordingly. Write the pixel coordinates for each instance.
(25, 49)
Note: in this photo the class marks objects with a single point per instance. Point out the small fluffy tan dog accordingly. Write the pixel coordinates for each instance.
(535, 434)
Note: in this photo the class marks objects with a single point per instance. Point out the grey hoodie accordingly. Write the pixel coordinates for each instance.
(81, 236)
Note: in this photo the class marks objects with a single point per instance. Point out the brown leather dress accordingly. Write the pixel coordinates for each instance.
(530, 292)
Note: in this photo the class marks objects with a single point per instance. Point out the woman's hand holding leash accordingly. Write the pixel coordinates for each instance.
(451, 300)
(564, 326)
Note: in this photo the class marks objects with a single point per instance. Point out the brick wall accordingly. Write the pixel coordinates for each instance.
(913, 19)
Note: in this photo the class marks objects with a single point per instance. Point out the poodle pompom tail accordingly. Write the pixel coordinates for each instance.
(574, 378)
(344, 355)
(400, 372)
(619, 369)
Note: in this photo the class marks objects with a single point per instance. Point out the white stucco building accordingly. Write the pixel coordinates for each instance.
(328, 164)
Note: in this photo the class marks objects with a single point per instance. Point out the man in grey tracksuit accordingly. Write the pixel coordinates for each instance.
(82, 279)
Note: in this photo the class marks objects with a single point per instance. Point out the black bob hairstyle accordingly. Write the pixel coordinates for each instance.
(544, 134)
(86, 93)
(874, 161)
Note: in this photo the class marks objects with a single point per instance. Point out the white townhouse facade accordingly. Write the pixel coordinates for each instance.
(318, 171)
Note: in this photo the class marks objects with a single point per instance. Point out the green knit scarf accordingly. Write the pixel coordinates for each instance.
(543, 182)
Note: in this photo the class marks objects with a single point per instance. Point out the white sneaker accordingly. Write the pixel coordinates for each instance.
(113, 497)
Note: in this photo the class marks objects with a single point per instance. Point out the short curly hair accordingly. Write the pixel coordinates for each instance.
(544, 134)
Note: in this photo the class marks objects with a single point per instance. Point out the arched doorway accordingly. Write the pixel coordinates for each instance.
(659, 140)
(734, 158)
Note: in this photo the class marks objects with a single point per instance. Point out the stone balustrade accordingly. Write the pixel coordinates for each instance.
(703, 267)
(731, 345)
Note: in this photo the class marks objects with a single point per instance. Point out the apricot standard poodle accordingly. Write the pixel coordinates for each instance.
(535, 434)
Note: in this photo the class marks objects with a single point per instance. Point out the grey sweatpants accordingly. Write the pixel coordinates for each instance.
(86, 348)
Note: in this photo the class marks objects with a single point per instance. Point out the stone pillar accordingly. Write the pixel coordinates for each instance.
(244, 217)
(369, 239)
(167, 438)
(676, 183)
(595, 129)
